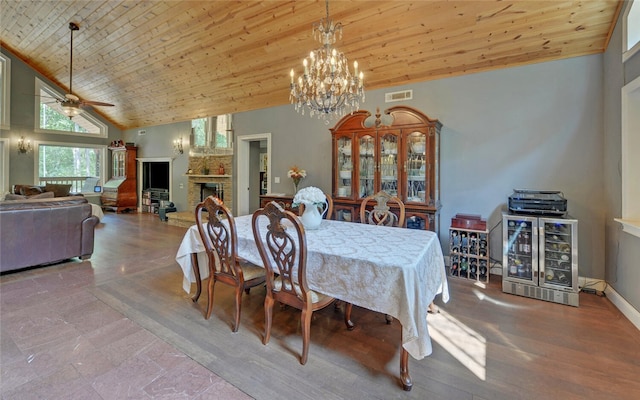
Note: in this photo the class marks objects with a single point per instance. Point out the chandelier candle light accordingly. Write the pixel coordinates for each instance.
(296, 174)
(327, 87)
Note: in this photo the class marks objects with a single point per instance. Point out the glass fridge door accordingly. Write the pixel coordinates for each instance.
(558, 253)
(520, 237)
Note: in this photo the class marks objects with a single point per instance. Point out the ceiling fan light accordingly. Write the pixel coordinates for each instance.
(71, 110)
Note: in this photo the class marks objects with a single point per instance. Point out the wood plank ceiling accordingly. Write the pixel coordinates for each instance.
(167, 61)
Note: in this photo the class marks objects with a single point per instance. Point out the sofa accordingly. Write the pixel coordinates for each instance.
(44, 231)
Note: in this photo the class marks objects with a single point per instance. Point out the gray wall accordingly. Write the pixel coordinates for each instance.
(22, 115)
(622, 249)
(538, 126)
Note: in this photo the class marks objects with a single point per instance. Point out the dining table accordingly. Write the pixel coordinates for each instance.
(395, 271)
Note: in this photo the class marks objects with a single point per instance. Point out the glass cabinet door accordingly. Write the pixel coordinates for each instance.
(388, 162)
(417, 171)
(118, 163)
(344, 160)
(366, 165)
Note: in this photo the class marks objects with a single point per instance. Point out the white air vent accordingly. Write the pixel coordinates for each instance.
(142, 132)
(398, 96)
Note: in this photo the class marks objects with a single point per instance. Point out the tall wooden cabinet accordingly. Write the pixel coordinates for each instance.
(120, 192)
(397, 152)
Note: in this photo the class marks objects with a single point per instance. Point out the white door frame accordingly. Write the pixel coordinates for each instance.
(243, 150)
(143, 160)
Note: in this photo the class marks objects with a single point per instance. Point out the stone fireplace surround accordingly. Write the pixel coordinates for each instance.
(197, 178)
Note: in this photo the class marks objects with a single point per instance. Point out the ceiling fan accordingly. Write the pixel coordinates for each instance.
(71, 104)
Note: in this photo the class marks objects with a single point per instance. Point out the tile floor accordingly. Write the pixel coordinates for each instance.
(58, 341)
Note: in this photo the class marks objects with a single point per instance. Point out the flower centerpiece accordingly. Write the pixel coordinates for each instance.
(296, 174)
(312, 198)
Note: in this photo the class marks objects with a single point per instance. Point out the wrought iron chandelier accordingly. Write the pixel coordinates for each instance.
(327, 87)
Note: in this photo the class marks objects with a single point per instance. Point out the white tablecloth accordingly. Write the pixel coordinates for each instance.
(394, 271)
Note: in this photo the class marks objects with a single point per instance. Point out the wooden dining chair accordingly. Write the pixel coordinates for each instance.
(221, 245)
(328, 206)
(382, 214)
(283, 248)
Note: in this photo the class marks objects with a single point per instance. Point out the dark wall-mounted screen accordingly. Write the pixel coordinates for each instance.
(155, 175)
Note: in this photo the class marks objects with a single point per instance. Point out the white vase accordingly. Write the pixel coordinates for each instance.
(311, 217)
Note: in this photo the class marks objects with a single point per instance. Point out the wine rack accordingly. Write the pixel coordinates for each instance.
(469, 254)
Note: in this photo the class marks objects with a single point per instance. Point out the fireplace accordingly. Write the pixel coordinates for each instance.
(201, 186)
(211, 189)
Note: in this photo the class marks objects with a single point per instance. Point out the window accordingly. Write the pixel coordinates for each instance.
(5, 91)
(630, 161)
(50, 118)
(211, 135)
(631, 30)
(82, 166)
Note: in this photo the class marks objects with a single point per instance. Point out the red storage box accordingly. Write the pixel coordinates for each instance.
(469, 221)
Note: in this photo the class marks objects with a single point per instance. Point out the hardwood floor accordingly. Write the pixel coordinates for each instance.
(487, 344)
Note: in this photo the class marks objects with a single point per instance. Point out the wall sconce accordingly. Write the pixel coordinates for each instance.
(177, 146)
(24, 146)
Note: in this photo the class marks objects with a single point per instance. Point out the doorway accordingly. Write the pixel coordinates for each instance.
(246, 172)
(156, 173)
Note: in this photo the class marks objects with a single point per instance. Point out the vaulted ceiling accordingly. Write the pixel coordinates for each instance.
(167, 61)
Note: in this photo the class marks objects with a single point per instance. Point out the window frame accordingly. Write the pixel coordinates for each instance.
(211, 147)
(630, 218)
(5, 92)
(40, 85)
(103, 154)
(627, 52)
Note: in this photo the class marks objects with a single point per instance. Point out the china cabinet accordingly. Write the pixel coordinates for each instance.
(397, 152)
(120, 192)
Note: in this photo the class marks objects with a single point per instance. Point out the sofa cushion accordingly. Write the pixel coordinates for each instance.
(44, 195)
(58, 189)
(11, 196)
(27, 190)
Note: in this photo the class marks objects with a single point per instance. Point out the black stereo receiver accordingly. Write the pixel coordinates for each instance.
(537, 202)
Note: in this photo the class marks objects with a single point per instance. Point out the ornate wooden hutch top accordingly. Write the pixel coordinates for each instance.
(397, 152)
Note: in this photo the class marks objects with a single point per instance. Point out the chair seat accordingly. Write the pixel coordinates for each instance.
(316, 297)
(251, 271)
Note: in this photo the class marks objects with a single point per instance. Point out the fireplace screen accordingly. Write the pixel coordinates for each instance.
(211, 189)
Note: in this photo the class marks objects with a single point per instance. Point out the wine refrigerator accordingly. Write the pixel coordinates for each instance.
(540, 258)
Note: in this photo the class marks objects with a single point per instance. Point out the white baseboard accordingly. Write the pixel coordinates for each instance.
(625, 308)
(621, 304)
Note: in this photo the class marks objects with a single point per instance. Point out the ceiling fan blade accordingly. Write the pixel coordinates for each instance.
(96, 103)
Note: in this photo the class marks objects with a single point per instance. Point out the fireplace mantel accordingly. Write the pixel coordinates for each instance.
(207, 176)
